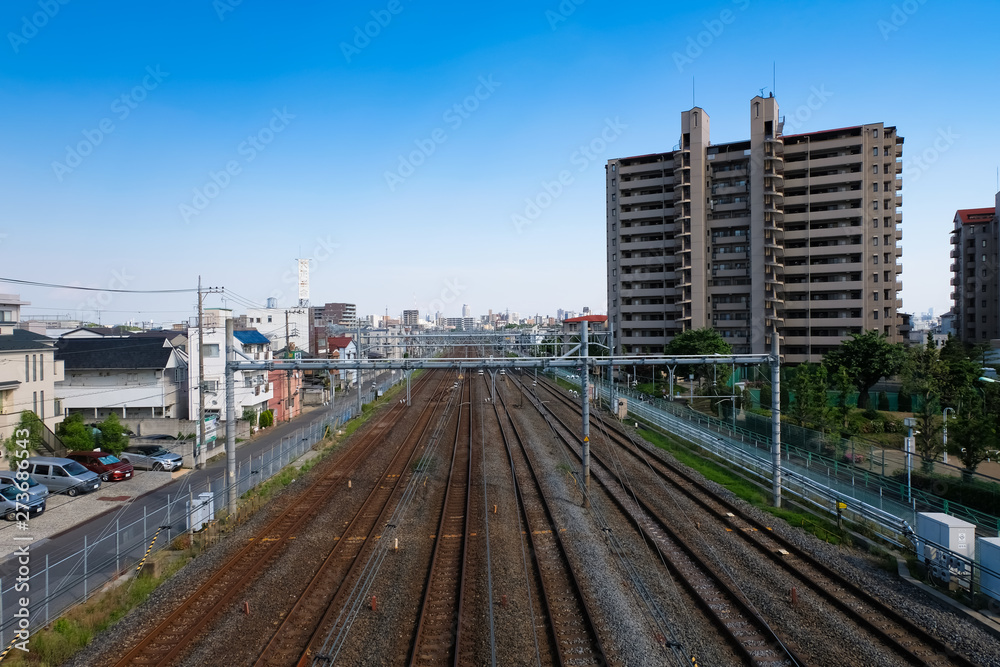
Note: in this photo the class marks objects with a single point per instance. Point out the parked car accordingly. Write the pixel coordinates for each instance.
(152, 457)
(11, 509)
(60, 474)
(105, 464)
(33, 488)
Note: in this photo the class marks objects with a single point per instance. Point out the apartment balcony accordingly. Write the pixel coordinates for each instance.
(953, 254)
(837, 161)
(635, 200)
(955, 281)
(636, 246)
(954, 241)
(774, 163)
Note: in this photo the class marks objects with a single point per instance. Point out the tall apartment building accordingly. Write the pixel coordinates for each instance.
(411, 318)
(975, 276)
(800, 233)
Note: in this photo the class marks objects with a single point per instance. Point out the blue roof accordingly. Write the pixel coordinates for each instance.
(251, 337)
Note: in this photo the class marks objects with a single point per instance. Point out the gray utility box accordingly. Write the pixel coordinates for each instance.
(989, 559)
(945, 543)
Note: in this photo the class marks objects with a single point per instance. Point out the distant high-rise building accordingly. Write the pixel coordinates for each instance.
(975, 278)
(798, 232)
(411, 318)
(466, 311)
(320, 317)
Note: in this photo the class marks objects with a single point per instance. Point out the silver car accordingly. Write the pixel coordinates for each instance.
(11, 508)
(151, 457)
(33, 488)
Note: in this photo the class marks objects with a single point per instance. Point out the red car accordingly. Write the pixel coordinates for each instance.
(105, 464)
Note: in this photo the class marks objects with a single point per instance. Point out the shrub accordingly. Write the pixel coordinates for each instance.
(266, 419)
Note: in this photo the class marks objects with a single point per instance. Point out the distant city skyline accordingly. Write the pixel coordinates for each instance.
(455, 157)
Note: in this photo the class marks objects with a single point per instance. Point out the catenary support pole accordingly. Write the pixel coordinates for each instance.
(200, 440)
(776, 417)
(231, 417)
(585, 400)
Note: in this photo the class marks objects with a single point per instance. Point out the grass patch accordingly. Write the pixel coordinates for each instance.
(723, 476)
(61, 640)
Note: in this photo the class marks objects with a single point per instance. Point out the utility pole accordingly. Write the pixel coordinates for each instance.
(288, 375)
(357, 353)
(200, 441)
(231, 418)
(585, 396)
(775, 416)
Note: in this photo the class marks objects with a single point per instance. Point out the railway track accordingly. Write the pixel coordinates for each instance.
(573, 638)
(171, 637)
(437, 640)
(873, 617)
(300, 627)
(720, 601)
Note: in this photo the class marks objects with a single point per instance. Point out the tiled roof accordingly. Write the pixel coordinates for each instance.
(22, 339)
(113, 353)
(974, 215)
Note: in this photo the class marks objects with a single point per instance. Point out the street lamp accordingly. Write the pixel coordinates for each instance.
(733, 399)
(944, 433)
(910, 423)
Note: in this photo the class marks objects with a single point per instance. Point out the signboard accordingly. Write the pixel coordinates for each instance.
(211, 424)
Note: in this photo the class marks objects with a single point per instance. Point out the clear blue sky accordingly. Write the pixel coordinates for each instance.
(155, 98)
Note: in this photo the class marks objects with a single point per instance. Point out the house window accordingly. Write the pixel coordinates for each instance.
(874, 296)
(34, 368)
(875, 204)
(875, 151)
(875, 133)
(614, 272)
(874, 187)
(27, 368)
(614, 213)
(874, 277)
(874, 259)
(875, 241)
(41, 413)
(34, 402)
(885, 151)
(614, 197)
(885, 312)
(614, 167)
(212, 350)
(268, 319)
(885, 169)
(874, 168)
(614, 182)
(41, 357)
(614, 257)
(614, 226)
(874, 314)
(875, 223)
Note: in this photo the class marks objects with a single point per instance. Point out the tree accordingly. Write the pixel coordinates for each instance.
(250, 415)
(27, 437)
(977, 431)
(867, 357)
(113, 438)
(958, 374)
(809, 384)
(75, 434)
(701, 341)
(924, 373)
(841, 383)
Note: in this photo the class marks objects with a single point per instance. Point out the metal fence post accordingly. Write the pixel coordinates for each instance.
(145, 533)
(84, 568)
(46, 589)
(117, 545)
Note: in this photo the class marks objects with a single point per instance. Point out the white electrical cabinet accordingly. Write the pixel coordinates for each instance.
(945, 544)
(989, 559)
(201, 511)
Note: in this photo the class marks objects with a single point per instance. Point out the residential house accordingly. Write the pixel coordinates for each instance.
(28, 370)
(137, 377)
(253, 390)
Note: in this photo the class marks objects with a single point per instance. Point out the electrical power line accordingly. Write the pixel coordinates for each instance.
(33, 283)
